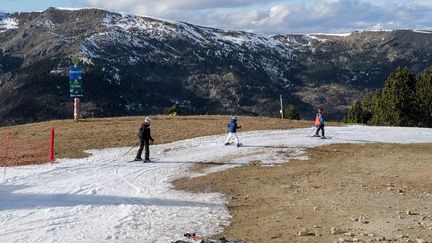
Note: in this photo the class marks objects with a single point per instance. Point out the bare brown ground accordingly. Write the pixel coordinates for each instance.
(368, 193)
(72, 138)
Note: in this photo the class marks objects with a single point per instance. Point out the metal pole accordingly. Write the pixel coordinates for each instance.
(281, 110)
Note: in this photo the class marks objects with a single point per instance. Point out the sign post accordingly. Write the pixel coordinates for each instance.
(76, 88)
(281, 110)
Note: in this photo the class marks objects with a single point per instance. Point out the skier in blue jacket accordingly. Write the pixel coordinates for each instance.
(232, 131)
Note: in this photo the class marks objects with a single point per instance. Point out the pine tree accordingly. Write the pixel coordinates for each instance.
(291, 113)
(395, 105)
(424, 98)
(355, 114)
(172, 110)
(376, 107)
(367, 107)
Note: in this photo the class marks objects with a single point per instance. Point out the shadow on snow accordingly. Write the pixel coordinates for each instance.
(9, 200)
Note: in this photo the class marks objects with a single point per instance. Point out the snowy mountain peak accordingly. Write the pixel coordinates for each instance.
(197, 34)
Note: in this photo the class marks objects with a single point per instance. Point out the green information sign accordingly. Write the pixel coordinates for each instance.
(76, 88)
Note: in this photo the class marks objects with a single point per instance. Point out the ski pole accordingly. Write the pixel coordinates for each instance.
(131, 149)
(310, 134)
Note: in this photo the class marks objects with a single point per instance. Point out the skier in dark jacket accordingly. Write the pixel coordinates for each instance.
(232, 131)
(145, 138)
(319, 123)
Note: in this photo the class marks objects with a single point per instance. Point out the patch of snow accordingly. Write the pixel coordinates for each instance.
(423, 31)
(133, 60)
(78, 9)
(7, 23)
(330, 34)
(86, 60)
(322, 36)
(89, 48)
(376, 30)
(116, 76)
(49, 24)
(103, 198)
(316, 38)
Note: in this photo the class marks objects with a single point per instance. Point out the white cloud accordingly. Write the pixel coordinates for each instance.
(164, 7)
(273, 16)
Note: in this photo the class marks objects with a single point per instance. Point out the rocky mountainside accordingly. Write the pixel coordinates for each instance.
(139, 65)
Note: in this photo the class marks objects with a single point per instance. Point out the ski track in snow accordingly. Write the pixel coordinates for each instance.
(103, 198)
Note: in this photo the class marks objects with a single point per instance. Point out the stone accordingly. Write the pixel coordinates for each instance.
(305, 232)
(336, 231)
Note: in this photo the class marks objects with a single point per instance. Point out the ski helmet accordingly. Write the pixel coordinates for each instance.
(147, 120)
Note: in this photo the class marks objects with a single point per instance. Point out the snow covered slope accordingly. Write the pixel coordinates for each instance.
(104, 198)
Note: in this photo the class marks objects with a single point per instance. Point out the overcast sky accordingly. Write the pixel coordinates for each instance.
(264, 16)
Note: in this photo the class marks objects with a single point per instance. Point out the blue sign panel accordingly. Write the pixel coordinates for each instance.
(75, 73)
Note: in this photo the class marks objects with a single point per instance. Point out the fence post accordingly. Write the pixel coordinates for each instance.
(52, 144)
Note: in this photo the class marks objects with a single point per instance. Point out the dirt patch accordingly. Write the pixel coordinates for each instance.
(344, 193)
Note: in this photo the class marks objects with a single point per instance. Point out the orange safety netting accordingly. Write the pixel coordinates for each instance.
(16, 151)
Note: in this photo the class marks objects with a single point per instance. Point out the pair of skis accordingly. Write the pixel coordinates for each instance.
(318, 136)
(231, 143)
(141, 161)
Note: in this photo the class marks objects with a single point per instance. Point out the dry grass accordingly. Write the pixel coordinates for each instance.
(72, 138)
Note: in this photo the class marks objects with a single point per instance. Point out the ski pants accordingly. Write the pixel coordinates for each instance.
(320, 127)
(232, 135)
(144, 144)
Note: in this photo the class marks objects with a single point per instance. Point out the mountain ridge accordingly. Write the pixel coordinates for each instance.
(140, 65)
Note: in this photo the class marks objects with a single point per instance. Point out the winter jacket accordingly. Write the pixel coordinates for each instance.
(319, 119)
(232, 126)
(144, 132)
